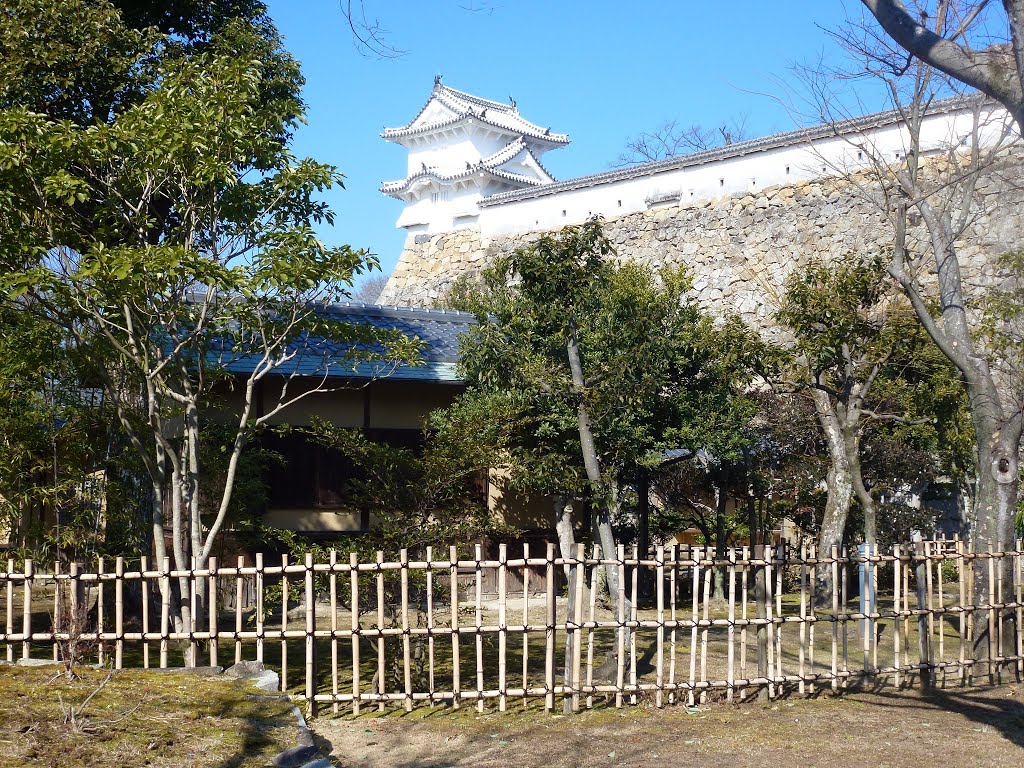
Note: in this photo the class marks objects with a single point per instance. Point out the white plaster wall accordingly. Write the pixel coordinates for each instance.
(760, 169)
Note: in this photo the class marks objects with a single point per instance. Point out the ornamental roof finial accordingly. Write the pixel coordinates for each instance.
(437, 80)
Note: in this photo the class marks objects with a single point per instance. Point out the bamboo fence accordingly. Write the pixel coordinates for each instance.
(421, 630)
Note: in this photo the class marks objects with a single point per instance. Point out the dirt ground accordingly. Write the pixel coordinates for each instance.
(960, 726)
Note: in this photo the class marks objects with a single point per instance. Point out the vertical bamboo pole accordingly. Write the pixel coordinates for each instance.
(581, 575)
(10, 610)
(1018, 594)
(478, 634)
(403, 561)
(284, 622)
(961, 570)
(118, 612)
(940, 594)
(143, 567)
(897, 609)
(812, 616)
(706, 617)
(353, 575)
(695, 580)
(876, 560)
(381, 661)
(58, 609)
(730, 674)
(549, 630)
(672, 588)
(620, 656)
(780, 555)
(744, 585)
(333, 587)
(260, 628)
(526, 619)
(923, 636)
(596, 554)
(972, 616)
(632, 629)
(238, 608)
(834, 568)
(193, 605)
(659, 693)
(100, 644)
(453, 565)
(429, 585)
(26, 613)
(844, 596)
(502, 627)
(213, 612)
(165, 610)
(993, 647)
(769, 602)
(929, 548)
(73, 591)
(803, 617)
(310, 600)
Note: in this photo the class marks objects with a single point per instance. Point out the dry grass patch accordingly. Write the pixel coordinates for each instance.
(966, 726)
(139, 718)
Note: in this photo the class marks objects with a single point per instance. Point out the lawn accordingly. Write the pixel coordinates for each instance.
(160, 719)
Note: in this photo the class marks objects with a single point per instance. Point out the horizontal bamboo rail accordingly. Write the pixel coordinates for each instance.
(418, 630)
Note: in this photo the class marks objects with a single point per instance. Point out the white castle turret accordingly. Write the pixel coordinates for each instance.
(462, 149)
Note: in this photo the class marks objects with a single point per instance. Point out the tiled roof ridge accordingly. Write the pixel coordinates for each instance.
(726, 152)
(527, 129)
(395, 310)
(488, 164)
(478, 100)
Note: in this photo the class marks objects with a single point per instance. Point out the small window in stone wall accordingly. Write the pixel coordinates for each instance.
(721, 182)
(787, 170)
(563, 212)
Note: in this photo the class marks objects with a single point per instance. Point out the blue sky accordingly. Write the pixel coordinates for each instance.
(601, 71)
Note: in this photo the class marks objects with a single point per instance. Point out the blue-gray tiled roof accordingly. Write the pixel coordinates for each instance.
(438, 329)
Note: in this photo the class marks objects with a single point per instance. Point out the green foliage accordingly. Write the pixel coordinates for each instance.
(156, 223)
(658, 372)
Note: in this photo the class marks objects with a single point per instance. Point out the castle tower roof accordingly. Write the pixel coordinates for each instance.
(463, 148)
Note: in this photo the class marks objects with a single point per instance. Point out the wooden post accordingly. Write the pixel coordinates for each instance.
(672, 590)
(310, 599)
(193, 647)
(803, 617)
(761, 611)
(744, 587)
(592, 613)
(834, 556)
(100, 644)
(769, 555)
(961, 570)
(58, 608)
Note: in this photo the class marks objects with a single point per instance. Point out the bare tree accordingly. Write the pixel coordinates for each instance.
(940, 35)
(672, 139)
(930, 193)
(370, 289)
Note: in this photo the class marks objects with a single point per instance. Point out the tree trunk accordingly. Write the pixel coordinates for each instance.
(840, 494)
(721, 503)
(851, 441)
(567, 548)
